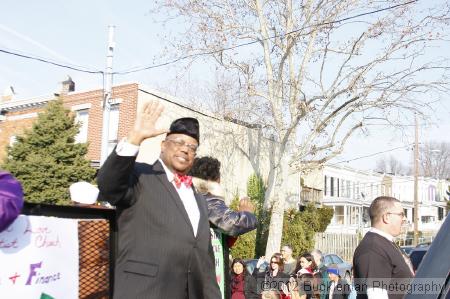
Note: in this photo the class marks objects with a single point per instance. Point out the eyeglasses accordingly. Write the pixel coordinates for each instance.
(402, 214)
(192, 148)
(274, 262)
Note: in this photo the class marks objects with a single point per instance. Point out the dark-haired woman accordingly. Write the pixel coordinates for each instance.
(305, 261)
(307, 265)
(243, 285)
(206, 179)
(273, 277)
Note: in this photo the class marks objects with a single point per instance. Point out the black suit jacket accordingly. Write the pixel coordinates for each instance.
(158, 254)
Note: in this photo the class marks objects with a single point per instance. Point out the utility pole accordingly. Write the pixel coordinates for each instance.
(416, 182)
(108, 79)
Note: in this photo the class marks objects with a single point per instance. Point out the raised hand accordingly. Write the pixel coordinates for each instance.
(245, 205)
(144, 125)
(260, 261)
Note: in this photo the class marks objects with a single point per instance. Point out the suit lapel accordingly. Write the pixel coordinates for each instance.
(162, 177)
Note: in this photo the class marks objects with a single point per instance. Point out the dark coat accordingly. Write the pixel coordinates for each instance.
(158, 254)
(221, 217)
(249, 286)
(341, 290)
(266, 281)
(229, 222)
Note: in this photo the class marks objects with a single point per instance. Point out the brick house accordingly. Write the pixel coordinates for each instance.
(17, 115)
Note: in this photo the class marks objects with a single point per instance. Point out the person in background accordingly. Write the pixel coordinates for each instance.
(273, 277)
(205, 174)
(321, 271)
(288, 260)
(271, 294)
(206, 178)
(339, 288)
(305, 261)
(11, 199)
(243, 285)
(377, 260)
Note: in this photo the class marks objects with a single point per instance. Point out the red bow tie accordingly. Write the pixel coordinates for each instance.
(181, 178)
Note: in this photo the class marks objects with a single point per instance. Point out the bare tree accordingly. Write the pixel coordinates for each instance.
(434, 160)
(391, 165)
(311, 76)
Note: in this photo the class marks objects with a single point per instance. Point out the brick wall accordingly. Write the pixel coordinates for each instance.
(15, 123)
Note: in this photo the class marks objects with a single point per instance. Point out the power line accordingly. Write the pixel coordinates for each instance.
(50, 62)
(139, 69)
(371, 155)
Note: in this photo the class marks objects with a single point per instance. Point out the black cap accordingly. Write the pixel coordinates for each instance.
(187, 126)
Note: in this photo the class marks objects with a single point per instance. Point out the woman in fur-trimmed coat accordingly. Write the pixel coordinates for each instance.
(206, 179)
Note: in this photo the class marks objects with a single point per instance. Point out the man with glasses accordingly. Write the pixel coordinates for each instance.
(164, 248)
(381, 270)
(288, 260)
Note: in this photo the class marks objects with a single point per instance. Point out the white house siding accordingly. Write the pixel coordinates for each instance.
(349, 192)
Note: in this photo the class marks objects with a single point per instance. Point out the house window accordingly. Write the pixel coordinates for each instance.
(353, 215)
(325, 187)
(440, 213)
(82, 117)
(339, 215)
(332, 186)
(337, 188)
(427, 219)
(366, 217)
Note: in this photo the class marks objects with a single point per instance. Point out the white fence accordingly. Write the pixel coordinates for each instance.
(341, 244)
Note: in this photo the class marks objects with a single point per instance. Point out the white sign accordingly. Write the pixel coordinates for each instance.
(39, 258)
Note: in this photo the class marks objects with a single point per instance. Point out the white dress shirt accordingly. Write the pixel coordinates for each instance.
(186, 194)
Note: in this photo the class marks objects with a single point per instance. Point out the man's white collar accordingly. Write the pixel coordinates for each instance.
(382, 233)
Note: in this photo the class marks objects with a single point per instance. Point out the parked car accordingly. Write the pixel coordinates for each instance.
(250, 264)
(407, 249)
(434, 270)
(417, 255)
(425, 244)
(345, 269)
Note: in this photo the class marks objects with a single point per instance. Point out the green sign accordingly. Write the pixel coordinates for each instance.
(216, 241)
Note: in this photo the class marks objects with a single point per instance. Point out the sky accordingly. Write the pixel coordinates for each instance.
(76, 34)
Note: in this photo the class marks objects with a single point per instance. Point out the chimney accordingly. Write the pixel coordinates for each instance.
(68, 86)
(8, 94)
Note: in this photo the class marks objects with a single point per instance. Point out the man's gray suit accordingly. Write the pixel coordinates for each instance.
(159, 256)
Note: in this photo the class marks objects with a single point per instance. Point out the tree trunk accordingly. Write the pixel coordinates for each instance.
(276, 220)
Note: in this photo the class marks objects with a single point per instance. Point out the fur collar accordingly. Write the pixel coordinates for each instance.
(206, 187)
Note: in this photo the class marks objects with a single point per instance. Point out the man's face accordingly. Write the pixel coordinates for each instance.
(394, 218)
(178, 152)
(286, 252)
